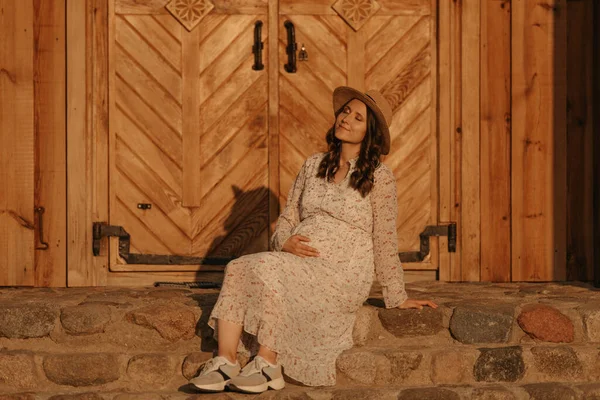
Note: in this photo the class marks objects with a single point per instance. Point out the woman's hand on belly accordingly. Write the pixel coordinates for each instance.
(295, 245)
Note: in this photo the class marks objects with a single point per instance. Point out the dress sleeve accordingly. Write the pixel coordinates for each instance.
(385, 238)
(290, 217)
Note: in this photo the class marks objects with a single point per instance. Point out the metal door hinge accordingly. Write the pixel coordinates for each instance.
(102, 230)
(431, 230)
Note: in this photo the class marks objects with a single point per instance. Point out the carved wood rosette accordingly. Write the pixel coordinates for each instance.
(356, 12)
(189, 12)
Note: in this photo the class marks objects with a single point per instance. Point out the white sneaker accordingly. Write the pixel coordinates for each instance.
(215, 374)
(257, 377)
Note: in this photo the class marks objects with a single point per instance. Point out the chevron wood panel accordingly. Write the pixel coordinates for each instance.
(306, 111)
(149, 143)
(398, 63)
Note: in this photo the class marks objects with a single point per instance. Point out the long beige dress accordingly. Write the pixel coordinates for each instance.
(304, 308)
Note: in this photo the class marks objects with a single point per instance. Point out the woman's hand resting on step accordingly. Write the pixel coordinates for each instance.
(418, 304)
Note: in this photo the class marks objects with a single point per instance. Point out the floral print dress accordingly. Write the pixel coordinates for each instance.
(304, 308)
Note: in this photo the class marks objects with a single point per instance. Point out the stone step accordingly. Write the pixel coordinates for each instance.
(540, 391)
(146, 339)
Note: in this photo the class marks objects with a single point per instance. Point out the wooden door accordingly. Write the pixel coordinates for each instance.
(388, 45)
(188, 122)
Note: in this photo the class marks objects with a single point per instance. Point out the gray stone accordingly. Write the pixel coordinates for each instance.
(23, 321)
(171, 322)
(499, 365)
(490, 393)
(429, 394)
(403, 363)
(403, 323)
(477, 324)
(81, 369)
(17, 369)
(363, 367)
(192, 363)
(558, 362)
(77, 396)
(85, 319)
(550, 391)
(546, 323)
(150, 370)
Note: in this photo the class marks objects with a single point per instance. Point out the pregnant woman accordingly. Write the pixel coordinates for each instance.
(298, 302)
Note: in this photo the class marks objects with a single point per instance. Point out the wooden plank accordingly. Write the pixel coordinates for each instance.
(305, 7)
(388, 7)
(220, 6)
(538, 133)
(50, 130)
(444, 129)
(386, 37)
(434, 194)
(356, 61)
(192, 130)
(405, 7)
(273, 138)
(137, 7)
(17, 143)
(455, 135)
(87, 137)
(495, 141)
(580, 136)
(471, 227)
(596, 154)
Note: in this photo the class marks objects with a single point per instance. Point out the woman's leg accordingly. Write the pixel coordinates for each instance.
(228, 338)
(267, 354)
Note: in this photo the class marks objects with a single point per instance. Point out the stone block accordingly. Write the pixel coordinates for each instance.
(85, 319)
(17, 369)
(364, 325)
(81, 369)
(492, 393)
(193, 362)
(499, 365)
(364, 367)
(24, 321)
(546, 323)
(591, 320)
(450, 368)
(150, 370)
(138, 396)
(429, 394)
(171, 322)
(353, 394)
(550, 391)
(17, 396)
(561, 363)
(77, 396)
(405, 323)
(403, 364)
(478, 324)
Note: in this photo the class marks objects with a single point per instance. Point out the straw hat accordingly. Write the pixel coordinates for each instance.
(375, 101)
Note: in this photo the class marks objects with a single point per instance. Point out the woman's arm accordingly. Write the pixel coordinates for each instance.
(290, 217)
(385, 239)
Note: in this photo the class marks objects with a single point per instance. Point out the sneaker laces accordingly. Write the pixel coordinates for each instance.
(212, 365)
(254, 367)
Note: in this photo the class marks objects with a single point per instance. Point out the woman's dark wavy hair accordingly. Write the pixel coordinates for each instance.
(363, 177)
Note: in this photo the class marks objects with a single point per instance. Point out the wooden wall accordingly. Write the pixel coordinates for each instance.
(32, 137)
(516, 106)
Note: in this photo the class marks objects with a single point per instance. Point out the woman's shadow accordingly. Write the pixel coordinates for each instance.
(246, 232)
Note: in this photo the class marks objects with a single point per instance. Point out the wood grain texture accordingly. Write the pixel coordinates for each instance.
(50, 137)
(17, 143)
(538, 142)
(596, 140)
(495, 141)
(444, 130)
(580, 137)
(192, 134)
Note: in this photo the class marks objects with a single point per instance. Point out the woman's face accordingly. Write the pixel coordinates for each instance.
(351, 123)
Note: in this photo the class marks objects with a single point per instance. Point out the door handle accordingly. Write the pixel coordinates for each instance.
(258, 47)
(290, 67)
